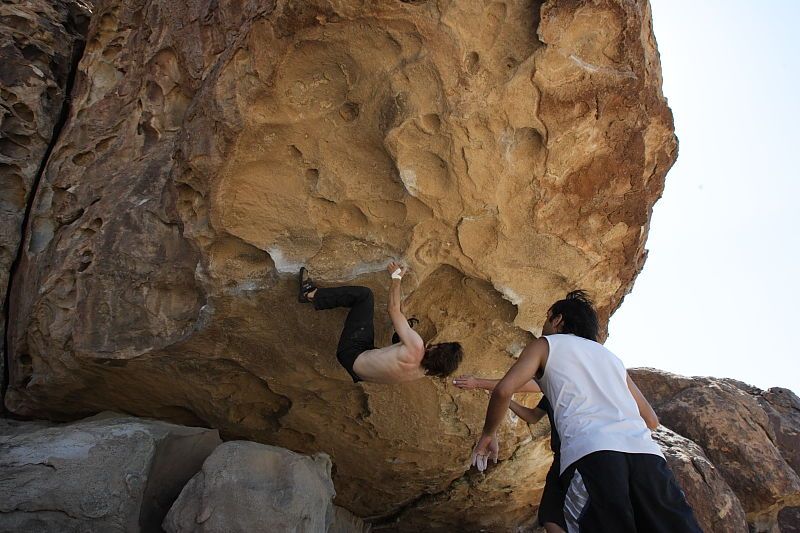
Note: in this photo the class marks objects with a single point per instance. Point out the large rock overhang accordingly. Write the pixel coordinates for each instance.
(508, 153)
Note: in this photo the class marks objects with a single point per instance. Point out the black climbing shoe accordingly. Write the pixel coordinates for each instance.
(306, 286)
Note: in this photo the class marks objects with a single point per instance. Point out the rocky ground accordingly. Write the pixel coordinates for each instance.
(118, 473)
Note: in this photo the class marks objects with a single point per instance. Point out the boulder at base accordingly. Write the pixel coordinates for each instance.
(250, 487)
(750, 435)
(715, 505)
(107, 473)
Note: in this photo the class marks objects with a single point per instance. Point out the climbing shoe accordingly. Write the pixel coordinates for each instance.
(306, 286)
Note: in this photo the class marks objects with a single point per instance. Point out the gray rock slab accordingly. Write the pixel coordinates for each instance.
(250, 487)
(109, 473)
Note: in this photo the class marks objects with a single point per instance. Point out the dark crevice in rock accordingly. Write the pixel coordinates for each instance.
(43, 510)
(77, 53)
(391, 519)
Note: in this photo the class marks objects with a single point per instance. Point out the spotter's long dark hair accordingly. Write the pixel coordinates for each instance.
(578, 313)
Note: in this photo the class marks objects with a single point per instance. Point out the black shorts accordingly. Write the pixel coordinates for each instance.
(354, 342)
(618, 492)
(358, 334)
(551, 508)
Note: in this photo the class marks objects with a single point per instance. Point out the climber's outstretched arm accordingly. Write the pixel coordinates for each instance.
(413, 346)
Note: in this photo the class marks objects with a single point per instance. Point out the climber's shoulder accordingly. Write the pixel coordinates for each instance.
(392, 364)
(411, 352)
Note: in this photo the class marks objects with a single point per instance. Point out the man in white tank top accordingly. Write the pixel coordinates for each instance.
(614, 474)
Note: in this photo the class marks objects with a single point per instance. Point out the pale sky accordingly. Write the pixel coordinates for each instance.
(720, 291)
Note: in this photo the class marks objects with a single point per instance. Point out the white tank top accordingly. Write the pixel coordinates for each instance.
(593, 407)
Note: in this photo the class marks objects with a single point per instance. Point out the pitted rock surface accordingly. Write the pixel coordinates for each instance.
(40, 43)
(750, 445)
(508, 152)
(715, 505)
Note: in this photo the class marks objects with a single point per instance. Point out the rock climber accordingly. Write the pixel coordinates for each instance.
(407, 359)
(613, 473)
(551, 513)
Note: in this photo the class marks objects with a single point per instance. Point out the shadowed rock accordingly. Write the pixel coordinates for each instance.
(40, 45)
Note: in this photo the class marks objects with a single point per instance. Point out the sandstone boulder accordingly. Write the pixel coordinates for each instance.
(715, 505)
(40, 44)
(725, 417)
(507, 151)
(109, 473)
(783, 409)
(246, 487)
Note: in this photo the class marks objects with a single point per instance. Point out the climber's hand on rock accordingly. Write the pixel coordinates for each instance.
(466, 382)
(486, 448)
(394, 267)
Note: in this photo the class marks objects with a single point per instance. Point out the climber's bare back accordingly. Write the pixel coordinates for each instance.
(387, 365)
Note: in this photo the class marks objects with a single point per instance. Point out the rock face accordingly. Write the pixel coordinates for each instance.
(751, 436)
(246, 486)
(789, 520)
(508, 152)
(110, 473)
(715, 505)
(346, 522)
(40, 44)
(511, 490)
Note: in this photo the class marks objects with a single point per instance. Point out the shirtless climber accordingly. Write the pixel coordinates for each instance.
(406, 360)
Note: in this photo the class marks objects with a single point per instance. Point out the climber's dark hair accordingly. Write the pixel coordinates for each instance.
(441, 360)
(578, 313)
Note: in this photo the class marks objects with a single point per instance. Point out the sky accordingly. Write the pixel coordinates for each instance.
(719, 294)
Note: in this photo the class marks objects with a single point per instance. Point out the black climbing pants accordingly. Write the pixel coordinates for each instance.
(358, 334)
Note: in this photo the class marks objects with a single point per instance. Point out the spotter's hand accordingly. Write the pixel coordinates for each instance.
(486, 448)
